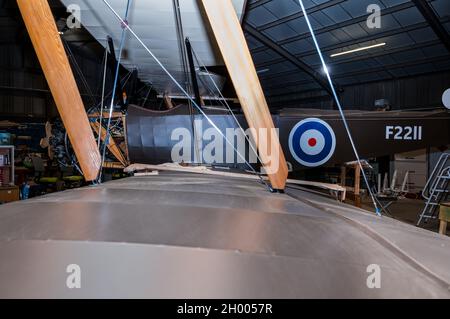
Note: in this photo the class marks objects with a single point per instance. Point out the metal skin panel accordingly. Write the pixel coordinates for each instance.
(179, 235)
(149, 133)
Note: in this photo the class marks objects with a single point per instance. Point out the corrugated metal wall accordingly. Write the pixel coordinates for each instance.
(418, 92)
(22, 85)
(423, 91)
(23, 89)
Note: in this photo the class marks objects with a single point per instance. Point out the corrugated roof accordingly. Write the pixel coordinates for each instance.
(412, 46)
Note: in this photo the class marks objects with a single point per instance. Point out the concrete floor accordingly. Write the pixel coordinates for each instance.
(408, 210)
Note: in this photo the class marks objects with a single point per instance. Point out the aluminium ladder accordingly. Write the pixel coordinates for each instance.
(436, 189)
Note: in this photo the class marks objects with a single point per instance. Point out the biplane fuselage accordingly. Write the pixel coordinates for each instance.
(155, 137)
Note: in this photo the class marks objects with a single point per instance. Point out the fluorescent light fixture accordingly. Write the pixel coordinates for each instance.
(262, 71)
(359, 49)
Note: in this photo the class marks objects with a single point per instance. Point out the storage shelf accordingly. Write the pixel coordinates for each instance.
(7, 172)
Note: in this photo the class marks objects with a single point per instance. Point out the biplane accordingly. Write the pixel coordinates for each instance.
(194, 232)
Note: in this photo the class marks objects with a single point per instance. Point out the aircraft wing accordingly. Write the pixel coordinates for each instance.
(155, 23)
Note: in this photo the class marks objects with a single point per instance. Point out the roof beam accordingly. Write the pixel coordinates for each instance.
(344, 24)
(434, 22)
(300, 14)
(362, 72)
(394, 66)
(360, 58)
(258, 3)
(392, 51)
(319, 78)
(371, 37)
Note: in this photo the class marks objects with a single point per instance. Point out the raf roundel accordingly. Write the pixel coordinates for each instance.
(312, 142)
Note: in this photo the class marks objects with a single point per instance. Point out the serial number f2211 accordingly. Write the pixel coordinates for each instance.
(404, 133)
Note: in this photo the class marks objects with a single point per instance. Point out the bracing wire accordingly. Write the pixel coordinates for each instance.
(230, 111)
(122, 44)
(123, 82)
(148, 94)
(103, 97)
(224, 102)
(79, 71)
(125, 25)
(98, 89)
(338, 103)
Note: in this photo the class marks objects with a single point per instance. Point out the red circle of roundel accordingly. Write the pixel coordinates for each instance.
(312, 142)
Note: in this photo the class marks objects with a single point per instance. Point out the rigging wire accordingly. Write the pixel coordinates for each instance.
(338, 103)
(72, 157)
(184, 92)
(148, 94)
(225, 103)
(230, 111)
(123, 82)
(103, 97)
(122, 44)
(100, 76)
(79, 71)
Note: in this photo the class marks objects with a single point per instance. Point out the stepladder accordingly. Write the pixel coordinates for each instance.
(436, 190)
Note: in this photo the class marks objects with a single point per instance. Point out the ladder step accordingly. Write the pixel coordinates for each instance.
(438, 190)
(428, 217)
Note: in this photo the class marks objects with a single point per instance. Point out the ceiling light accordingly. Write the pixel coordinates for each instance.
(262, 71)
(359, 49)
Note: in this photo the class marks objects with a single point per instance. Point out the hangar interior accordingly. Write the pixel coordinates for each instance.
(358, 91)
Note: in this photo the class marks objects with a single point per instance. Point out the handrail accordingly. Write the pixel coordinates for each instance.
(433, 176)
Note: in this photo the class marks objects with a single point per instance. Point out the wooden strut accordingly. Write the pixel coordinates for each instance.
(105, 115)
(113, 165)
(236, 54)
(112, 146)
(125, 134)
(47, 43)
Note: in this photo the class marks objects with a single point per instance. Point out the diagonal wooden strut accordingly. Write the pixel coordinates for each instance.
(233, 46)
(50, 51)
(112, 146)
